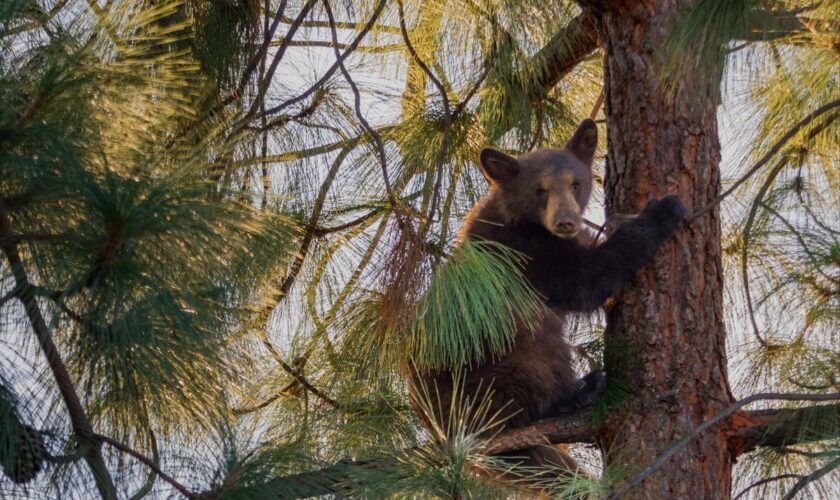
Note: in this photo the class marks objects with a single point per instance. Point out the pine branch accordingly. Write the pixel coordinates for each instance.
(574, 43)
(814, 476)
(78, 418)
(765, 481)
(347, 477)
(771, 428)
(574, 427)
(790, 134)
(337, 65)
(148, 462)
(787, 426)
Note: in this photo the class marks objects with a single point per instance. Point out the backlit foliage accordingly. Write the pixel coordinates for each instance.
(239, 250)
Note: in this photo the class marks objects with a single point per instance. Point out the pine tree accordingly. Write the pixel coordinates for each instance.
(228, 230)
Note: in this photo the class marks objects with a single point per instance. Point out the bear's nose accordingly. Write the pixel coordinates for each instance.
(564, 226)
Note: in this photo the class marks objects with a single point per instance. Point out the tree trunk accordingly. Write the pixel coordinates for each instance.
(665, 338)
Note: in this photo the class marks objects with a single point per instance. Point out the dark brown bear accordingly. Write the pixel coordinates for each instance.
(535, 206)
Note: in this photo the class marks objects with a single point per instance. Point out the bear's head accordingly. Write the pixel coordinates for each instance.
(548, 186)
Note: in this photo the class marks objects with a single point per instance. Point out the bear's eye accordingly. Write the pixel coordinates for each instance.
(541, 192)
(576, 186)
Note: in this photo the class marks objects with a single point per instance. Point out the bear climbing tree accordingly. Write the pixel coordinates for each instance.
(223, 245)
(665, 338)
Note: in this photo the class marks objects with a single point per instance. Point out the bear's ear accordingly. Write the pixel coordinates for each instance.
(497, 166)
(583, 143)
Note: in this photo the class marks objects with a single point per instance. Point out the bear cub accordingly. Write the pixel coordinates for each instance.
(535, 206)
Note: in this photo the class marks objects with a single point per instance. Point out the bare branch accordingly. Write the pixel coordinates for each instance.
(272, 68)
(447, 112)
(370, 49)
(380, 148)
(769, 155)
(296, 373)
(251, 409)
(346, 26)
(765, 481)
(570, 428)
(323, 231)
(814, 476)
(339, 61)
(564, 51)
(756, 203)
(148, 462)
(785, 427)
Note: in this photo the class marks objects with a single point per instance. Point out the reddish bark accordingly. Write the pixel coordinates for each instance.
(665, 337)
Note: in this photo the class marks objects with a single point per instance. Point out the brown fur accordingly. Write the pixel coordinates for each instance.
(535, 206)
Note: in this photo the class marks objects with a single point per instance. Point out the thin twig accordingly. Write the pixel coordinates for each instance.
(745, 277)
(259, 56)
(150, 480)
(461, 106)
(266, 180)
(371, 49)
(148, 462)
(814, 476)
(765, 481)
(272, 68)
(300, 255)
(757, 201)
(764, 159)
(357, 100)
(251, 409)
(598, 103)
(296, 373)
(447, 113)
(339, 61)
(538, 133)
(322, 231)
(723, 414)
(346, 26)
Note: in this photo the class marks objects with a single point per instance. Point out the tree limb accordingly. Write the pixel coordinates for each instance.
(350, 476)
(78, 418)
(570, 428)
(148, 462)
(765, 481)
(564, 51)
(786, 426)
(814, 476)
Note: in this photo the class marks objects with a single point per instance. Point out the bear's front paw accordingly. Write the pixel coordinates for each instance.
(666, 213)
(591, 387)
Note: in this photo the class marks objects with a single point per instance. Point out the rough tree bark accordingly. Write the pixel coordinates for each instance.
(665, 339)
